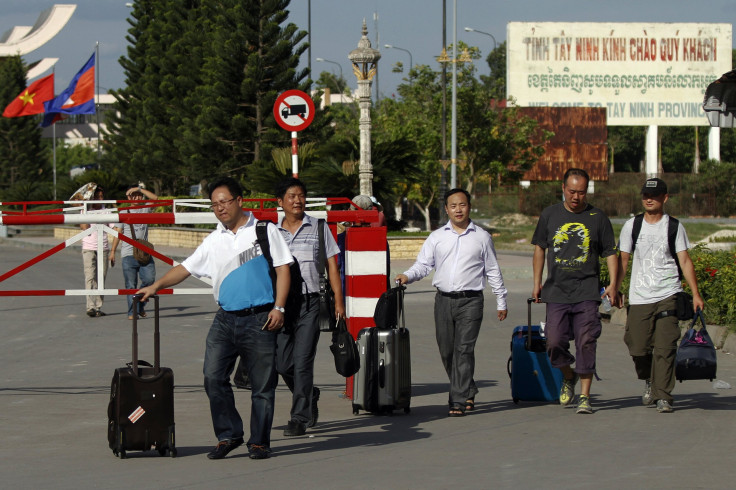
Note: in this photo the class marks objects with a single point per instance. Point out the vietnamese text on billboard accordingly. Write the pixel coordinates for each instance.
(643, 74)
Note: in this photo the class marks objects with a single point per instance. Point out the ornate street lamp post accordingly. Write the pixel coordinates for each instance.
(364, 60)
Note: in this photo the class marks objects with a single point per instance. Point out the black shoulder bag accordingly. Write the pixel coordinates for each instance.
(327, 320)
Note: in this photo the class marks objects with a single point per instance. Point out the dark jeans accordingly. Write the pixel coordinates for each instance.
(579, 321)
(295, 353)
(232, 335)
(457, 324)
(131, 270)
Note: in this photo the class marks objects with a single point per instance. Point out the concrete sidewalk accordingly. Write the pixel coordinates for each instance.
(59, 362)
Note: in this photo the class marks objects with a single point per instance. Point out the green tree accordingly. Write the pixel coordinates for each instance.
(337, 85)
(626, 147)
(146, 135)
(22, 157)
(202, 79)
(495, 82)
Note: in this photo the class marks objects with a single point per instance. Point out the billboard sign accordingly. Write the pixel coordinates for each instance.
(642, 73)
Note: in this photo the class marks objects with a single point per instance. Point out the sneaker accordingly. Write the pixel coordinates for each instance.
(584, 405)
(315, 409)
(646, 398)
(663, 406)
(224, 447)
(258, 452)
(98, 313)
(294, 428)
(567, 391)
(91, 313)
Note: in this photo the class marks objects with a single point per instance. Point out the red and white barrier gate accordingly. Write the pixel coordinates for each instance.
(366, 252)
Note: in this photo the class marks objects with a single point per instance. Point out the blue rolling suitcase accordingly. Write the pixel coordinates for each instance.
(532, 376)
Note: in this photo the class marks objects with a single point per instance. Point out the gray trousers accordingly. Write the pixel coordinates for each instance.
(296, 348)
(457, 324)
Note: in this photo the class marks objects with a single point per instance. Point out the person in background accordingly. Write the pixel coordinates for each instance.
(464, 259)
(90, 258)
(132, 269)
(652, 328)
(381, 217)
(574, 234)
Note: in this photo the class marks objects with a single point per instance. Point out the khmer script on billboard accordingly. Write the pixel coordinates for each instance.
(642, 73)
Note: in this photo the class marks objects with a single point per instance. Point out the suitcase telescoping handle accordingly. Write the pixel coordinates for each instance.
(156, 336)
(529, 302)
(400, 305)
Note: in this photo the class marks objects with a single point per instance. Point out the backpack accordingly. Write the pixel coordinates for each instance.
(294, 299)
(672, 227)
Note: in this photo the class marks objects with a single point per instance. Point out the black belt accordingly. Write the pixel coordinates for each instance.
(310, 295)
(252, 311)
(461, 294)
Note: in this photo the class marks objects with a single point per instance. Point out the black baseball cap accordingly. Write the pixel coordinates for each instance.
(654, 187)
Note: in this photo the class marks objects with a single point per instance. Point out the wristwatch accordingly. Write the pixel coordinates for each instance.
(280, 308)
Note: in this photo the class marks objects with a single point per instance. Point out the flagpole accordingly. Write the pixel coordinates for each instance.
(97, 99)
(53, 135)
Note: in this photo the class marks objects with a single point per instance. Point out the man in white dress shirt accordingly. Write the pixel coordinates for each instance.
(464, 260)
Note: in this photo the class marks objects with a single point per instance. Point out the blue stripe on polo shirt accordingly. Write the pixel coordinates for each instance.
(248, 286)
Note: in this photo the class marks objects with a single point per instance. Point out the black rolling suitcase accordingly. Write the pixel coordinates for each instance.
(383, 383)
(141, 409)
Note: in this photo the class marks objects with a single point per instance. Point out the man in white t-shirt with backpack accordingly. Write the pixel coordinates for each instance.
(652, 327)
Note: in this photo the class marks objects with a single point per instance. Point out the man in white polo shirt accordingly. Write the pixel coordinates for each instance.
(248, 320)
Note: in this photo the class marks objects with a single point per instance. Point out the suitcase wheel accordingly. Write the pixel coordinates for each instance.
(162, 451)
(122, 454)
(355, 410)
(172, 452)
(516, 401)
(407, 410)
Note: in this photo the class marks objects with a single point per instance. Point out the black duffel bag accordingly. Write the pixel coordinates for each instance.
(696, 356)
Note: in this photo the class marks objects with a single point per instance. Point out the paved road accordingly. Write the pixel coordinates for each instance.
(58, 364)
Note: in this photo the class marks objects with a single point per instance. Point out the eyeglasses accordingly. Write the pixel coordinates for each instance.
(221, 204)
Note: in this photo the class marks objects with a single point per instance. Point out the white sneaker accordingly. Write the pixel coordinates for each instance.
(663, 406)
(646, 398)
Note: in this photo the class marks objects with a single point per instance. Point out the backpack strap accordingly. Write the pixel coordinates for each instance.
(672, 228)
(635, 230)
(262, 238)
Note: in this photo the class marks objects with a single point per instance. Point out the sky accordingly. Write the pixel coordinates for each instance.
(414, 25)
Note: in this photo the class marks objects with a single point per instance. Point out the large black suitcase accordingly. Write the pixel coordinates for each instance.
(141, 409)
(532, 376)
(383, 383)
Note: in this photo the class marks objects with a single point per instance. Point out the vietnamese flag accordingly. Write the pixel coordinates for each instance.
(31, 100)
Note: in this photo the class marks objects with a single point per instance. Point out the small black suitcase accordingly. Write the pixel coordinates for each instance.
(141, 409)
(383, 383)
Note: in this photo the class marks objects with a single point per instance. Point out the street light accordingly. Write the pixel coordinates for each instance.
(411, 63)
(470, 29)
(333, 62)
(463, 58)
